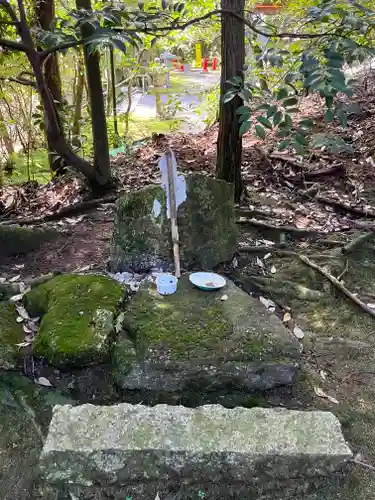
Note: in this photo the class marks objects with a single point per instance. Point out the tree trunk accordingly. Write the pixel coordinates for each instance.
(44, 15)
(99, 123)
(114, 99)
(78, 97)
(229, 144)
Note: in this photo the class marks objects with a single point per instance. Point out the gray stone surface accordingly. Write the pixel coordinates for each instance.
(141, 239)
(125, 443)
(193, 341)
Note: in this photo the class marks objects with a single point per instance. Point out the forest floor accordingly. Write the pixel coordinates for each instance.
(320, 211)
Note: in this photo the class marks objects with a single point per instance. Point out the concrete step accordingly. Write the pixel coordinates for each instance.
(132, 444)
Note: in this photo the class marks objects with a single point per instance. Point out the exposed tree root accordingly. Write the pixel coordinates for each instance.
(335, 282)
(280, 229)
(357, 242)
(336, 203)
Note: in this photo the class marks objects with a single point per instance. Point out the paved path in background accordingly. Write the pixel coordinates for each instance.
(144, 105)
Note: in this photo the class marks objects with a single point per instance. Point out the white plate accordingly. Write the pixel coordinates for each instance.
(207, 281)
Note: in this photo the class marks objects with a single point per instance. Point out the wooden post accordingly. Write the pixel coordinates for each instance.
(173, 213)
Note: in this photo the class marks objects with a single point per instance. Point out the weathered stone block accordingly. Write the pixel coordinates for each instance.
(208, 234)
(193, 339)
(78, 315)
(125, 443)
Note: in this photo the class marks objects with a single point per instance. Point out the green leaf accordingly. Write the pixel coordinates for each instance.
(260, 131)
(243, 109)
(263, 107)
(245, 94)
(264, 121)
(288, 120)
(245, 127)
(328, 115)
(343, 118)
(306, 123)
(228, 97)
(291, 101)
(271, 111)
(301, 139)
(282, 93)
(299, 148)
(277, 118)
(236, 81)
(329, 101)
(283, 132)
(244, 117)
(284, 144)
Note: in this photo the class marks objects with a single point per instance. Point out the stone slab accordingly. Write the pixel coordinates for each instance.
(206, 220)
(193, 340)
(125, 443)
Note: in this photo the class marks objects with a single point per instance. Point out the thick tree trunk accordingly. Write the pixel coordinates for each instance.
(44, 15)
(99, 123)
(229, 145)
(114, 98)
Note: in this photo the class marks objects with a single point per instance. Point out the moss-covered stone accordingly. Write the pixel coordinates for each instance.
(11, 333)
(78, 316)
(15, 240)
(206, 220)
(195, 336)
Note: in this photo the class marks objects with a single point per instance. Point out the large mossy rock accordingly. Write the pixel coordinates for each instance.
(206, 220)
(77, 318)
(11, 333)
(16, 240)
(193, 339)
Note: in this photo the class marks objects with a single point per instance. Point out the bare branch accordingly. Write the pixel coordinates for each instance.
(9, 44)
(20, 80)
(62, 46)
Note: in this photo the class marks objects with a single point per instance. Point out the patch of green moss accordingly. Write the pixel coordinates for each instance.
(78, 314)
(195, 326)
(11, 333)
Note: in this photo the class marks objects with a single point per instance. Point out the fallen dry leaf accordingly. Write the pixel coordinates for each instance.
(15, 278)
(319, 392)
(267, 256)
(260, 263)
(22, 312)
(268, 304)
(287, 317)
(298, 332)
(323, 374)
(224, 297)
(43, 381)
(23, 344)
(16, 298)
(273, 270)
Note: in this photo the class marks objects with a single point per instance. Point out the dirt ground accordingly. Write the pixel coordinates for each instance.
(314, 209)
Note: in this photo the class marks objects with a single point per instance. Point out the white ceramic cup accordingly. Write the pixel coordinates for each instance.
(166, 284)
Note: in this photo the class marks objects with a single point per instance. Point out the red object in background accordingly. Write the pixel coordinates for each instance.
(182, 67)
(214, 64)
(205, 65)
(175, 62)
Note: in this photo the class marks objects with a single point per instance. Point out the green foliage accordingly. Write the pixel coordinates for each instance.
(335, 34)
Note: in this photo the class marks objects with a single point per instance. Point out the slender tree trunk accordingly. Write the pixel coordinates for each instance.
(229, 145)
(78, 97)
(99, 123)
(44, 15)
(114, 100)
(7, 141)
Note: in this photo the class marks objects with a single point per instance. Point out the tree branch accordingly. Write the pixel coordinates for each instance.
(20, 80)
(241, 18)
(62, 46)
(9, 44)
